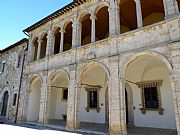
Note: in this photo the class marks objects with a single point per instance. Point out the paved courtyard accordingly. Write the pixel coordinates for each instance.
(85, 130)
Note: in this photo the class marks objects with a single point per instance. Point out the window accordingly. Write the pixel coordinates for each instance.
(65, 94)
(3, 67)
(150, 96)
(92, 98)
(19, 61)
(14, 99)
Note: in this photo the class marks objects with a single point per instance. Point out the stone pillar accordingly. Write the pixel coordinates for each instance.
(44, 100)
(50, 44)
(170, 8)
(73, 100)
(114, 24)
(74, 33)
(31, 52)
(79, 35)
(175, 83)
(39, 48)
(93, 28)
(176, 6)
(62, 40)
(117, 115)
(139, 13)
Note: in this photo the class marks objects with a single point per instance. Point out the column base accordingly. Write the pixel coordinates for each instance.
(117, 129)
(71, 126)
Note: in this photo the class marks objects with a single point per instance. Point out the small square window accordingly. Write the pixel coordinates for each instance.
(65, 94)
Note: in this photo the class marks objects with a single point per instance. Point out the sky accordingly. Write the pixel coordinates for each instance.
(17, 15)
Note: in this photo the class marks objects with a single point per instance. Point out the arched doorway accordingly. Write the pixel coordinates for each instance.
(94, 97)
(148, 76)
(34, 100)
(5, 103)
(58, 98)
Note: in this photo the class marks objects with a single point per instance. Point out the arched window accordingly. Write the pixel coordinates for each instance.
(128, 19)
(43, 46)
(102, 23)
(35, 43)
(68, 37)
(5, 103)
(57, 36)
(86, 30)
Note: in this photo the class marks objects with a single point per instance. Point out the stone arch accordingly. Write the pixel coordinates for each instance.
(150, 53)
(58, 95)
(54, 73)
(87, 65)
(159, 67)
(101, 5)
(33, 97)
(55, 28)
(66, 23)
(5, 90)
(82, 14)
(34, 39)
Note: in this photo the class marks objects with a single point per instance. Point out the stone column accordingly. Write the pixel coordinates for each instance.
(93, 28)
(62, 40)
(50, 44)
(139, 13)
(116, 91)
(39, 48)
(175, 83)
(44, 100)
(31, 53)
(176, 6)
(170, 8)
(79, 35)
(73, 100)
(114, 25)
(74, 33)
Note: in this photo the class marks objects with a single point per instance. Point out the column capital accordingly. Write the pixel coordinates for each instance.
(93, 17)
(137, 1)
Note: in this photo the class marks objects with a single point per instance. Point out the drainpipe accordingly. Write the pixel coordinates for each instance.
(20, 82)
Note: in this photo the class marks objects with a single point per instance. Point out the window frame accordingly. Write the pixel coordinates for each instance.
(150, 84)
(88, 90)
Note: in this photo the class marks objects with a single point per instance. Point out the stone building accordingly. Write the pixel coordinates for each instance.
(11, 61)
(112, 62)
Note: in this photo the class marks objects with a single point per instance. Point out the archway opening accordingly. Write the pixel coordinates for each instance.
(68, 37)
(86, 30)
(128, 18)
(102, 23)
(35, 43)
(43, 46)
(152, 11)
(57, 40)
(94, 97)
(148, 77)
(34, 100)
(58, 99)
(5, 103)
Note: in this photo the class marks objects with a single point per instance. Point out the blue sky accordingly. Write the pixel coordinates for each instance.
(16, 15)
